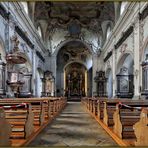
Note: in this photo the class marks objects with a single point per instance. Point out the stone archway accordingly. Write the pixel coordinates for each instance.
(72, 52)
(125, 76)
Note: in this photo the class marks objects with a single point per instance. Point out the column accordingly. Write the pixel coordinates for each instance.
(94, 69)
(53, 68)
(136, 59)
(114, 73)
(34, 86)
(52, 87)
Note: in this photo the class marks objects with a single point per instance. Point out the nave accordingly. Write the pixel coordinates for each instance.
(73, 127)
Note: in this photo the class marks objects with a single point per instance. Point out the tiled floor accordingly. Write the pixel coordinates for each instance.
(73, 127)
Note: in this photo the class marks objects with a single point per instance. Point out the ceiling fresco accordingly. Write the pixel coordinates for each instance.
(73, 52)
(86, 14)
(78, 20)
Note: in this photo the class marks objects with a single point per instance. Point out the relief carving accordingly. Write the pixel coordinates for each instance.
(123, 48)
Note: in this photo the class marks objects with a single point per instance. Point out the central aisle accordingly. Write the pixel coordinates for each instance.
(73, 127)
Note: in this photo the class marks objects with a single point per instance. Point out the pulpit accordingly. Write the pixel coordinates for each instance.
(13, 57)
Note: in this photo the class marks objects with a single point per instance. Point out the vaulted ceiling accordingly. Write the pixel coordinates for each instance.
(88, 14)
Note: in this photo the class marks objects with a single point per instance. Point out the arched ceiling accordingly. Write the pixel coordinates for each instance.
(74, 51)
(89, 14)
(79, 20)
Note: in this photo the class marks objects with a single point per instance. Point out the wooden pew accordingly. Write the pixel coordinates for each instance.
(141, 129)
(38, 107)
(44, 109)
(119, 121)
(19, 122)
(124, 119)
(5, 130)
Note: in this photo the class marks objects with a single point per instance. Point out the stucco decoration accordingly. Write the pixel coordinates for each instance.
(80, 20)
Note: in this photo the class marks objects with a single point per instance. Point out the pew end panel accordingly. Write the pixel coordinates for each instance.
(5, 130)
(141, 129)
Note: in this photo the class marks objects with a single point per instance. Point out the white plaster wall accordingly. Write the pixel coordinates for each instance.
(128, 49)
(110, 85)
(57, 37)
(38, 84)
(91, 37)
(133, 44)
(145, 28)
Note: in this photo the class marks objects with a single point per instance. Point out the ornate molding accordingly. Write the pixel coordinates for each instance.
(125, 35)
(109, 54)
(144, 13)
(40, 56)
(22, 34)
(4, 13)
(141, 31)
(123, 48)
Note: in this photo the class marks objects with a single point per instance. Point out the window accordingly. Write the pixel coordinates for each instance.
(122, 8)
(25, 6)
(39, 31)
(108, 32)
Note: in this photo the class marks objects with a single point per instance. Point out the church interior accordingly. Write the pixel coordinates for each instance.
(73, 73)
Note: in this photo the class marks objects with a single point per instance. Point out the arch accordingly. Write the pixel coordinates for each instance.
(122, 60)
(105, 25)
(125, 76)
(70, 40)
(75, 62)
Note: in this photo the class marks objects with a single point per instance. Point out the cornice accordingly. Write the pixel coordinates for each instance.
(28, 23)
(118, 26)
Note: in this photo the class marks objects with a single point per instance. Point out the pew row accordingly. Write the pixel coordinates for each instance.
(23, 124)
(118, 122)
(126, 116)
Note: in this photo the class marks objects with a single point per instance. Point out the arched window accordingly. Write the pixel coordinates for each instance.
(122, 7)
(39, 31)
(108, 32)
(25, 6)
